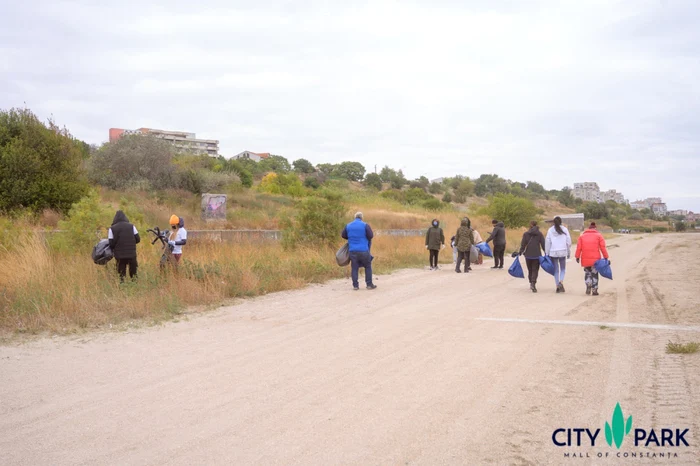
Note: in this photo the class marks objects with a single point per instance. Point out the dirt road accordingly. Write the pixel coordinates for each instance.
(405, 374)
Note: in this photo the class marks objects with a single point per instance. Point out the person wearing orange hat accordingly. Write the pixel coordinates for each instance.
(178, 236)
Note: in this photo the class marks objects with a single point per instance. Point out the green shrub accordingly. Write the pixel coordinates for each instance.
(447, 197)
(433, 204)
(394, 195)
(40, 166)
(319, 222)
(312, 182)
(88, 221)
(680, 226)
(372, 180)
(513, 211)
(415, 196)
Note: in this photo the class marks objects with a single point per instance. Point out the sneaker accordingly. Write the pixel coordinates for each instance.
(355, 288)
(558, 289)
(561, 286)
(500, 267)
(588, 290)
(371, 287)
(458, 271)
(494, 267)
(595, 291)
(533, 287)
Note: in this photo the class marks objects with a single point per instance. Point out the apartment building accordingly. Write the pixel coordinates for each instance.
(588, 191)
(681, 212)
(659, 208)
(613, 195)
(182, 141)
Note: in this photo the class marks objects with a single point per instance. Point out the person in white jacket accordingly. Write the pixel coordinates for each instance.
(557, 245)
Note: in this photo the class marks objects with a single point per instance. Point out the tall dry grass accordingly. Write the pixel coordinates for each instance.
(42, 290)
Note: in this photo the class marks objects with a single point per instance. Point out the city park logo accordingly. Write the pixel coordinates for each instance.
(615, 433)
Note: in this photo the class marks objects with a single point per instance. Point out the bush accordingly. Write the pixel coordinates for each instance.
(243, 173)
(513, 211)
(433, 204)
(659, 229)
(87, 223)
(312, 182)
(372, 180)
(416, 196)
(275, 183)
(680, 226)
(40, 166)
(394, 195)
(447, 197)
(636, 216)
(351, 171)
(200, 181)
(436, 188)
(319, 222)
(464, 189)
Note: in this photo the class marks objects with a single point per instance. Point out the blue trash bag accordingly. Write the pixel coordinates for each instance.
(547, 264)
(516, 270)
(484, 249)
(603, 268)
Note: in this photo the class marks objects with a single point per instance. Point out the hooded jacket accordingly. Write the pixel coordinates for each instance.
(533, 243)
(589, 247)
(123, 237)
(498, 235)
(558, 244)
(434, 237)
(464, 239)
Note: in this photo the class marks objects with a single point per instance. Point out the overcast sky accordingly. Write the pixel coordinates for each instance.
(554, 91)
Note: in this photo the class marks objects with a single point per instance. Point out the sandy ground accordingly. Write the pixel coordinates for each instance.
(405, 374)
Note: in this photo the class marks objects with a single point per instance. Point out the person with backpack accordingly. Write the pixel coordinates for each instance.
(123, 238)
(498, 236)
(558, 248)
(178, 237)
(589, 248)
(359, 235)
(464, 240)
(532, 245)
(434, 242)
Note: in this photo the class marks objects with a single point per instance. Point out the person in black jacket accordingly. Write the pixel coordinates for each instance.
(123, 238)
(533, 245)
(498, 236)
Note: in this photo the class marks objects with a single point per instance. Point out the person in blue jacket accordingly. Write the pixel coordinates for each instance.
(359, 236)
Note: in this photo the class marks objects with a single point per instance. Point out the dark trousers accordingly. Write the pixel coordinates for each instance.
(591, 277)
(121, 267)
(462, 256)
(498, 252)
(533, 269)
(357, 260)
(434, 257)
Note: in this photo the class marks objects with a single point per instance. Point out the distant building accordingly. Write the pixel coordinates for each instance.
(659, 208)
(679, 212)
(571, 221)
(588, 191)
(183, 142)
(692, 217)
(254, 156)
(437, 180)
(638, 205)
(613, 195)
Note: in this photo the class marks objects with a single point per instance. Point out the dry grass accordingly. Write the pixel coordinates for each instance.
(680, 348)
(42, 290)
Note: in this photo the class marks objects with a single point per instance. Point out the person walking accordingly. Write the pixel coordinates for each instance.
(498, 236)
(434, 242)
(453, 245)
(359, 235)
(532, 245)
(558, 248)
(589, 248)
(464, 239)
(178, 237)
(123, 238)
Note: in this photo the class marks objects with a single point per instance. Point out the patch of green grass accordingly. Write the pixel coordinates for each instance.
(638, 238)
(605, 327)
(682, 348)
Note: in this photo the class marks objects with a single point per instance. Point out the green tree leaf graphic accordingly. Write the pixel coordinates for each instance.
(608, 434)
(618, 426)
(629, 425)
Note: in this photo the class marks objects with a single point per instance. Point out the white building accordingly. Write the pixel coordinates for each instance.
(681, 212)
(588, 191)
(659, 208)
(182, 141)
(254, 156)
(613, 195)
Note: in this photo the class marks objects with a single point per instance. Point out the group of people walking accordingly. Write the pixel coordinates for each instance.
(556, 245)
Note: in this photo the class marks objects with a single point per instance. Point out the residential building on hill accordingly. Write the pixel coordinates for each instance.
(254, 156)
(659, 208)
(613, 195)
(588, 191)
(638, 205)
(182, 141)
(679, 212)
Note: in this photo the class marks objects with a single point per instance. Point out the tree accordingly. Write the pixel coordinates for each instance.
(436, 188)
(275, 163)
(326, 168)
(593, 210)
(352, 171)
(464, 190)
(372, 180)
(136, 160)
(239, 169)
(447, 197)
(513, 211)
(536, 189)
(490, 184)
(303, 166)
(40, 166)
(416, 196)
(386, 174)
(680, 226)
(424, 182)
(398, 181)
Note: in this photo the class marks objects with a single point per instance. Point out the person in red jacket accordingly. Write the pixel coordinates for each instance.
(589, 247)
